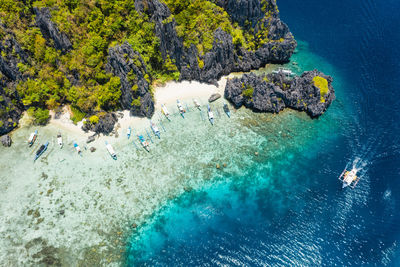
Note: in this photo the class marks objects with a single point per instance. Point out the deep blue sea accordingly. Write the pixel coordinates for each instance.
(289, 210)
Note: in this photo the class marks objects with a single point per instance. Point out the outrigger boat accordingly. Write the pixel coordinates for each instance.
(144, 143)
(284, 71)
(349, 178)
(41, 150)
(32, 138)
(155, 130)
(227, 111)
(181, 109)
(110, 150)
(128, 132)
(164, 111)
(196, 104)
(78, 149)
(59, 140)
(210, 115)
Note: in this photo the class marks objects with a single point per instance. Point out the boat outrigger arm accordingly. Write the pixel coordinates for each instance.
(349, 178)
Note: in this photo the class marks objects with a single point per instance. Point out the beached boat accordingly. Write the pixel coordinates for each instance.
(164, 111)
(284, 71)
(128, 132)
(227, 111)
(32, 138)
(59, 140)
(78, 149)
(180, 108)
(110, 150)
(196, 104)
(210, 115)
(349, 178)
(144, 143)
(41, 150)
(155, 129)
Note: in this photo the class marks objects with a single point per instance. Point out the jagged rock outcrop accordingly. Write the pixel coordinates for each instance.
(274, 92)
(50, 30)
(129, 66)
(6, 140)
(243, 11)
(105, 125)
(11, 54)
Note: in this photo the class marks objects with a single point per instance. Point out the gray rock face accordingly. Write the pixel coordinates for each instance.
(243, 10)
(6, 140)
(128, 65)
(105, 125)
(274, 92)
(214, 97)
(50, 30)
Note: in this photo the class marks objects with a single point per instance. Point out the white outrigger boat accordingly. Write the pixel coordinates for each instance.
(32, 138)
(180, 108)
(210, 115)
(128, 132)
(287, 72)
(144, 143)
(155, 129)
(59, 140)
(164, 111)
(196, 104)
(78, 149)
(110, 150)
(349, 178)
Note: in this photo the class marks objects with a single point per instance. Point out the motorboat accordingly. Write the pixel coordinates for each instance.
(349, 178)
(180, 108)
(144, 143)
(164, 111)
(111, 151)
(226, 110)
(32, 138)
(41, 150)
(155, 129)
(196, 104)
(59, 140)
(210, 115)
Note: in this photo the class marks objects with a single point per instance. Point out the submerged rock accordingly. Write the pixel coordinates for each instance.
(311, 92)
(90, 139)
(92, 149)
(6, 140)
(214, 97)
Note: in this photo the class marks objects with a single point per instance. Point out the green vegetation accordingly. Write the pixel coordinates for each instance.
(94, 119)
(248, 92)
(322, 84)
(93, 27)
(1, 123)
(40, 116)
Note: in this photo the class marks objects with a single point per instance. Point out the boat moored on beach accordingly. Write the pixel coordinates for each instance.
(284, 71)
(59, 140)
(226, 110)
(78, 149)
(210, 115)
(111, 151)
(164, 111)
(128, 132)
(155, 129)
(41, 150)
(144, 143)
(349, 178)
(196, 104)
(180, 108)
(32, 138)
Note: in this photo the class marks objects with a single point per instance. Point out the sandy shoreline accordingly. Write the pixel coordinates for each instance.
(185, 91)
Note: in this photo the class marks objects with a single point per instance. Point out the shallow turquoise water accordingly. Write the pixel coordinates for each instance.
(290, 147)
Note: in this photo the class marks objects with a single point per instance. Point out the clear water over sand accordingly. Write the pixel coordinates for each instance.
(71, 209)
